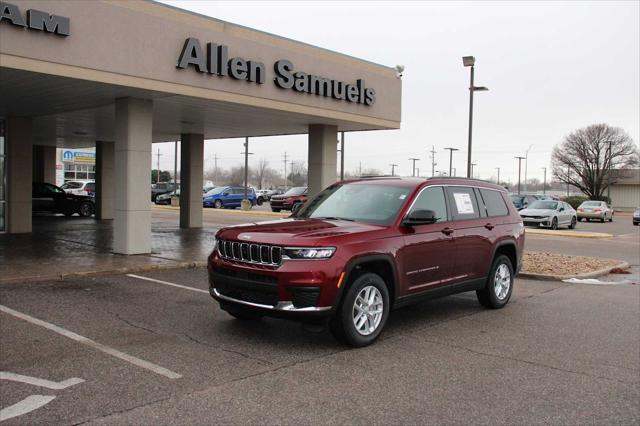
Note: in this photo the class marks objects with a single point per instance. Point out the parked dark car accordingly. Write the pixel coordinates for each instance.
(286, 201)
(361, 248)
(522, 201)
(161, 188)
(53, 199)
(636, 216)
(165, 199)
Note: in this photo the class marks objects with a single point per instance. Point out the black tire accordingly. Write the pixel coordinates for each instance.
(603, 219)
(487, 296)
(554, 223)
(217, 204)
(611, 218)
(579, 219)
(573, 223)
(275, 210)
(342, 324)
(86, 209)
(259, 201)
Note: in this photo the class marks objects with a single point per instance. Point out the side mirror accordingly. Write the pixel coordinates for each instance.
(420, 217)
(561, 209)
(225, 193)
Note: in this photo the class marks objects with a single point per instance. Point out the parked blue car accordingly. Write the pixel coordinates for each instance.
(227, 196)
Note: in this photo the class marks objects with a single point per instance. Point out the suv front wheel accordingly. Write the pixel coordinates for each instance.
(499, 286)
(363, 312)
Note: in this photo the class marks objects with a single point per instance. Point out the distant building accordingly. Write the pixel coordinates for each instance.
(625, 192)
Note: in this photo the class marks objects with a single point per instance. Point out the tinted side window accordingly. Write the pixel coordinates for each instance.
(463, 202)
(432, 199)
(494, 202)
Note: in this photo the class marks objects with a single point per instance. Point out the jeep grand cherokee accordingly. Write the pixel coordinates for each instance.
(361, 248)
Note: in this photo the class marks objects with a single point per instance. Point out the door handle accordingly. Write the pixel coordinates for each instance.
(447, 231)
(489, 226)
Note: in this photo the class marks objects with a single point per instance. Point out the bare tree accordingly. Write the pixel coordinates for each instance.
(298, 173)
(259, 172)
(583, 159)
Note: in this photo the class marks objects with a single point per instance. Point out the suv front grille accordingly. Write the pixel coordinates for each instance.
(251, 253)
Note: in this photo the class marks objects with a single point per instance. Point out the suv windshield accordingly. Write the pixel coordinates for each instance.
(544, 205)
(299, 190)
(378, 204)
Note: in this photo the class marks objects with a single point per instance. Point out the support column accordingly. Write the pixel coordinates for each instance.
(105, 159)
(132, 214)
(19, 174)
(322, 157)
(191, 180)
(44, 164)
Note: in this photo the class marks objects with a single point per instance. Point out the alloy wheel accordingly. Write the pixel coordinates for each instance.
(502, 281)
(367, 310)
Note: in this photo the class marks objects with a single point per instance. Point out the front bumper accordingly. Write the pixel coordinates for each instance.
(529, 221)
(292, 290)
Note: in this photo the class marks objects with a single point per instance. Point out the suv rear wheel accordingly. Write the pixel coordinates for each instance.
(499, 286)
(363, 312)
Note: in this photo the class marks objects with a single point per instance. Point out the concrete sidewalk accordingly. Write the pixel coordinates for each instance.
(62, 247)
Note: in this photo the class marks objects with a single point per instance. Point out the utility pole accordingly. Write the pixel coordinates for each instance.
(393, 169)
(433, 161)
(341, 156)
(215, 169)
(451, 158)
(413, 173)
(472, 166)
(418, 171)
(544, 182)
(519, 169)
(498, 169)
(285, 172)
(454, 172)
(246, 167)
(526, 163)
(609, 177)
(158, 170)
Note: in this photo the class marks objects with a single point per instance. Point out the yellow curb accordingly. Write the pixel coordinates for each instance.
(575, 234)
(227, 211)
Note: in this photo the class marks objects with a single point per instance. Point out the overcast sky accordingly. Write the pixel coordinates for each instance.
(551, 67)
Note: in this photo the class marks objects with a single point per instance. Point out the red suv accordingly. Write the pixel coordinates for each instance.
(361, 248)
(289, 200)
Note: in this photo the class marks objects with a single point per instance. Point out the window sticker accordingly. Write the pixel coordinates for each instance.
(403, 196)
(463, 203)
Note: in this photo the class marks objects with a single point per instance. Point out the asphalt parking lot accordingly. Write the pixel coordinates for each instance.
(154, 348)
(166, 354)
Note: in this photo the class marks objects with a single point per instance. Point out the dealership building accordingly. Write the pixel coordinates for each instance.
(114, 77)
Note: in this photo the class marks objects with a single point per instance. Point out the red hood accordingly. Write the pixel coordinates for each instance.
(295, 232)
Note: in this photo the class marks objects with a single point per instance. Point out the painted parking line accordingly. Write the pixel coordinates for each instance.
(93, 344)
(153, 280)
(25, 406)
(5, 375)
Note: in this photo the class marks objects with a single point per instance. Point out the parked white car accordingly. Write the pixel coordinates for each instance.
(549, 213)
(80, 187)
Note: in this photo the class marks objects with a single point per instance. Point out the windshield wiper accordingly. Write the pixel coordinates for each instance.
(335, 218)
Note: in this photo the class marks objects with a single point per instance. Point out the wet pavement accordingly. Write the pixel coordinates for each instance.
(60, 246)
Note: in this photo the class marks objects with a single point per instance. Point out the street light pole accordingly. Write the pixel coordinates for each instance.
(544, 182)
(451, 158)
(414, 165)
(526, 164)
(519, 170)
(469, 61)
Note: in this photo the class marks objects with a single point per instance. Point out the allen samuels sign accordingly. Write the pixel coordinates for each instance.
(214, 60)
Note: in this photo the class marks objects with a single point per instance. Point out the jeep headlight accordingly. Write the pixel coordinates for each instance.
(309, 253)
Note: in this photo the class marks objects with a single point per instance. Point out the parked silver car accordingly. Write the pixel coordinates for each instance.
(595, 210)
(549, 213)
